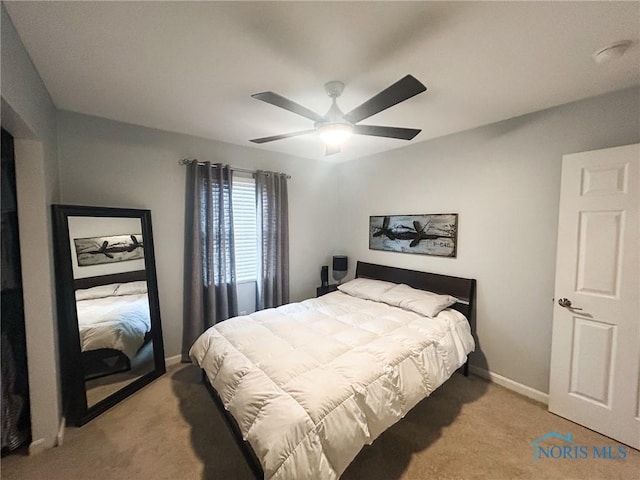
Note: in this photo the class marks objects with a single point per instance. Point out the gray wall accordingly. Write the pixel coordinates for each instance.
(108, 163)
(502, 179)
(504, 182)
(29, 114)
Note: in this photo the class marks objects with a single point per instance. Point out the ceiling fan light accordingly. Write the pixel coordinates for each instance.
(335, 134)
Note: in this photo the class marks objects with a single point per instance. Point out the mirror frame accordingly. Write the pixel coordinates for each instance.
(74, 399)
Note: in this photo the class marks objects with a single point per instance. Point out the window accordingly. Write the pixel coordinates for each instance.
(244, 228)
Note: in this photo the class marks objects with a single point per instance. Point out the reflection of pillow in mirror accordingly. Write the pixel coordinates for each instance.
(132, 288)
(101, 291)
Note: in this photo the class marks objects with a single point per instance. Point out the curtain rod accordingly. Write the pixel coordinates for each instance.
(187, 161)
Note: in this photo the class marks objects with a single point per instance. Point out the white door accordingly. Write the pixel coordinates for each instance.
(595, 352)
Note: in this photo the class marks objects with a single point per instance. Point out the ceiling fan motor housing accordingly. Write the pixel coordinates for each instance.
(334, 88)
(333, 116)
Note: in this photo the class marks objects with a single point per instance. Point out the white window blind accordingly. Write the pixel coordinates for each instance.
(244, 227)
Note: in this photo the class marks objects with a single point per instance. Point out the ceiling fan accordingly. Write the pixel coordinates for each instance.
(335, 127)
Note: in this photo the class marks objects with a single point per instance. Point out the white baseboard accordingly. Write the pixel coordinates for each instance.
(38, 446)
(169, 361)
(60, 436)
(528, 392)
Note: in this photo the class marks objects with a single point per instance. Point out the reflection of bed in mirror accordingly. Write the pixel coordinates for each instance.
(114, 325)
(113, 321)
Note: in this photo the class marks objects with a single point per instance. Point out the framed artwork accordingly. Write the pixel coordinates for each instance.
(435, 234)
(109, 249)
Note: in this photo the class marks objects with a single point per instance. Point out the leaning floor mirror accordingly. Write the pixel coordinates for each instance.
(108, 311)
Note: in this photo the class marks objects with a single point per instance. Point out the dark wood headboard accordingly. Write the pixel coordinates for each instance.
(464, 289)
(123, 277)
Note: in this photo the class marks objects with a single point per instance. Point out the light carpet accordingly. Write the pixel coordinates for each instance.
(467, 429)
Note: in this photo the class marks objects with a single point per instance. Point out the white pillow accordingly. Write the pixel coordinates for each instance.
(132, 288)
(366, 288)
(101, 291)
(422, 302)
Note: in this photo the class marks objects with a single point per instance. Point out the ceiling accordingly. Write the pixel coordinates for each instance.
(190, 67)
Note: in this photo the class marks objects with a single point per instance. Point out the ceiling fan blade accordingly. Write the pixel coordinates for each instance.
(280, 137)
(390, 132)
(282, 102)
(331, 150)
(400, 91)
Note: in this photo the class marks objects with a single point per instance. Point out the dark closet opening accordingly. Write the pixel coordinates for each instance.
(16, 418)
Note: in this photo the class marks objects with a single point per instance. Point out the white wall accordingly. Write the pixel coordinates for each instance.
(108, 163)
(503, 180)
(28, 113)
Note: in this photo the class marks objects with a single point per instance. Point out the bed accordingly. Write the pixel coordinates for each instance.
(305, 386)
(113, 321)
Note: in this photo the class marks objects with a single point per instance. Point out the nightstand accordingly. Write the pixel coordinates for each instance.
(324, 290)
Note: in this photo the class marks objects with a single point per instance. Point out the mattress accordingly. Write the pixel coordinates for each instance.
(311, 383)
(119, 322)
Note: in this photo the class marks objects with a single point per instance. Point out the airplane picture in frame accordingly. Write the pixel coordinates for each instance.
(108, 249)
(427, 234)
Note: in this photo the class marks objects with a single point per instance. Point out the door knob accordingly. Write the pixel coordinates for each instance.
(566, 303)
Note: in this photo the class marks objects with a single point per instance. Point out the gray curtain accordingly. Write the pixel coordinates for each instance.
(273, 242)
(210, 277)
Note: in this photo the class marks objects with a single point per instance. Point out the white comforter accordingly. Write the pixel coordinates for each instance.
(311, 383)
(117, 322)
